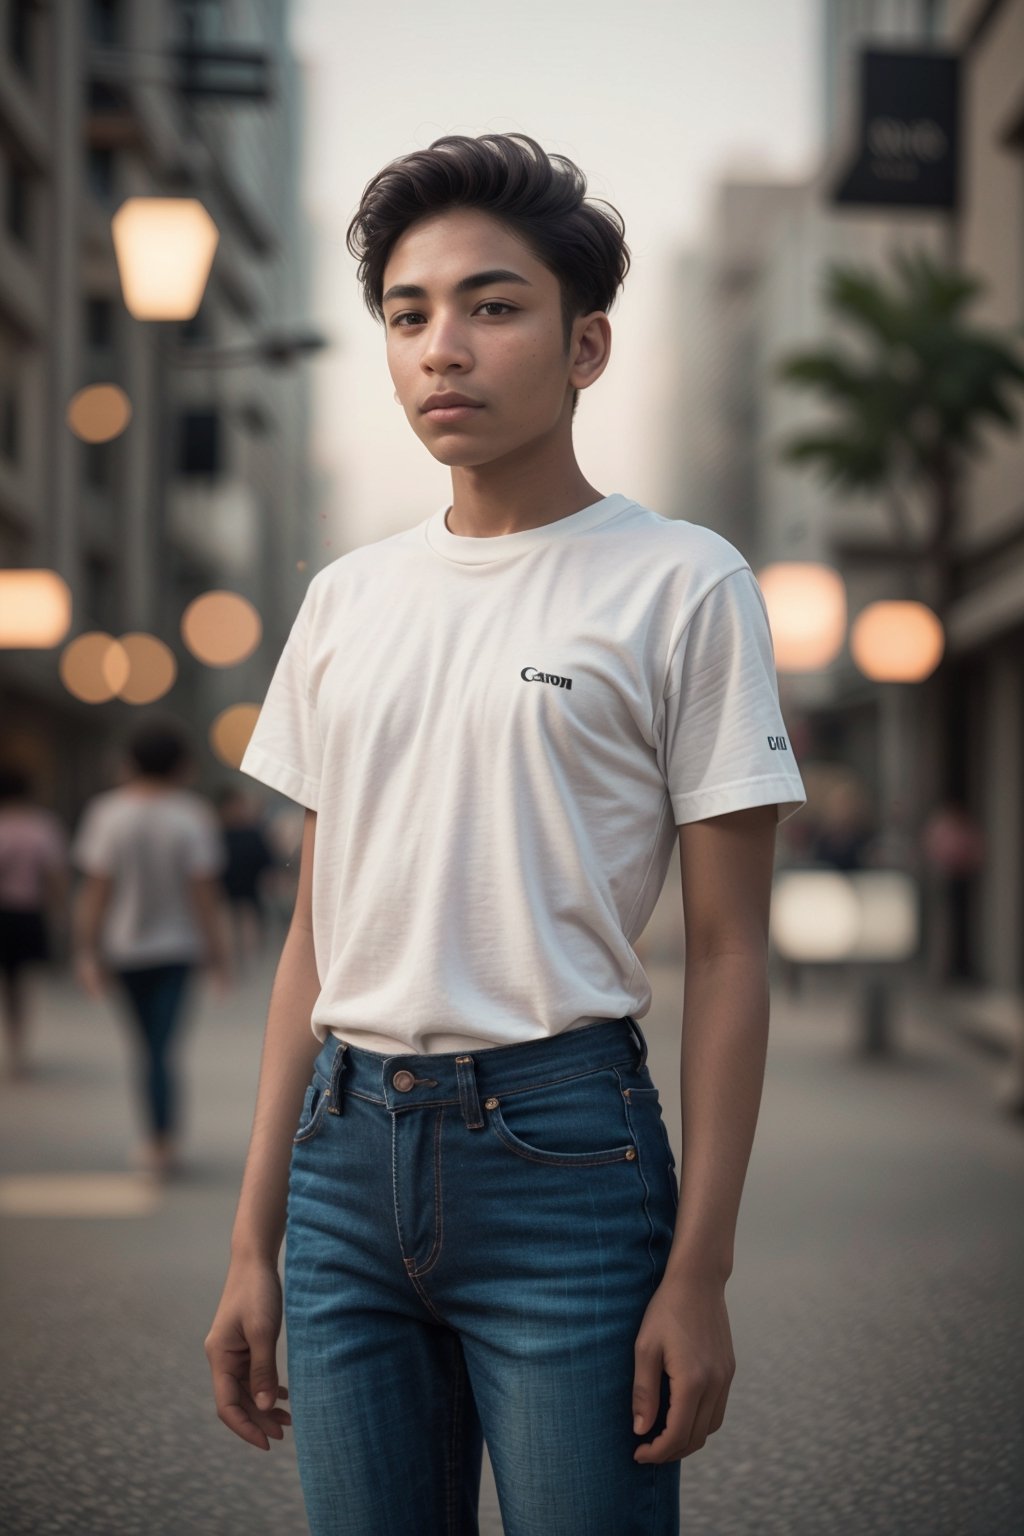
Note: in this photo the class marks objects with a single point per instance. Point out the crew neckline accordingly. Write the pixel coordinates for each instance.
(467, 549)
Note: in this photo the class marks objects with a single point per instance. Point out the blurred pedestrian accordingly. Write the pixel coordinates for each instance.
(249, 857)
(33, 890)
(846, 830)
(150, 911)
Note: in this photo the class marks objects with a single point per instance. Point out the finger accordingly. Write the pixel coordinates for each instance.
(227, 1393)
(267, 1419)
(263, 1368)
(671, 1443)
(700, 1430)
(647, 1374)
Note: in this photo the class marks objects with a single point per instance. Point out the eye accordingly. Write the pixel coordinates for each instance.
(413, 314)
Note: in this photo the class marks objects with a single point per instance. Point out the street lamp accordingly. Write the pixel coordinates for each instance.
(164, 248)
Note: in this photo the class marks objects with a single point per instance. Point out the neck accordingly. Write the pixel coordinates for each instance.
(504, 497)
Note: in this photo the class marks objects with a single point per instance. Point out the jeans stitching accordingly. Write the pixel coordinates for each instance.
(410, 1271)
(308, 1132)
(559, 1159)
(643, 1178)
(435, 1252)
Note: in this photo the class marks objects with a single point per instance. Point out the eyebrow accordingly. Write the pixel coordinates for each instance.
(464, 285)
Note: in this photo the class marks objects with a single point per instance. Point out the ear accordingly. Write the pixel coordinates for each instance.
(590, 349)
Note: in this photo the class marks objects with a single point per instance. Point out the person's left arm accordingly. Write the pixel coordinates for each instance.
(90, 904)
(726, 864)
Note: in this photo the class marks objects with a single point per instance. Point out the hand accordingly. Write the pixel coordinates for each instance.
(90, 975)
(241, 1348)
(685, 1333)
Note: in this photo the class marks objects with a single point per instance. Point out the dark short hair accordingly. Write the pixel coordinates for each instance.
(541, 198)
(159, 749)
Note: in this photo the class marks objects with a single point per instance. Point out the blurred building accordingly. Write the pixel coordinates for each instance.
(986, 622)
(208, 485)
(754, 293)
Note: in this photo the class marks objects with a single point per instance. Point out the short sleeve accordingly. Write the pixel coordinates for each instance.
(204, 845)
(284, 750)
(724, 743)
(92, 850)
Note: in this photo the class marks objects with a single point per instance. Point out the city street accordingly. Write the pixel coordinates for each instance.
(874, 1301)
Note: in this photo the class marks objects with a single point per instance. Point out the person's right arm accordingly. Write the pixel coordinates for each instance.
(242, 1342)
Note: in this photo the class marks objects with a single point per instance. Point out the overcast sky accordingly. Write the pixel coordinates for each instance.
(653, 100)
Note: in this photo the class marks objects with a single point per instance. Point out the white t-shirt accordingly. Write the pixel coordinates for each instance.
(153, 845)
(500, 737)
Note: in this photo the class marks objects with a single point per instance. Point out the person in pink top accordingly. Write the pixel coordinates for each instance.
(33, 883)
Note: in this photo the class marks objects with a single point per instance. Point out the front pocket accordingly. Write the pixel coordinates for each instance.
(313, 1107)
(569, 1124)
(646, 1103)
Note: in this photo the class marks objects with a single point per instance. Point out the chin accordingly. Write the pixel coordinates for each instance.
(461, 455)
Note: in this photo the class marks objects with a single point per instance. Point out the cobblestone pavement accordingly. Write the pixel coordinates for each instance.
(874, 1302)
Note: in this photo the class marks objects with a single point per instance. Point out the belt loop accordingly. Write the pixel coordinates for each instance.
(337, 1068)
(640, 1040)
(469, 1100)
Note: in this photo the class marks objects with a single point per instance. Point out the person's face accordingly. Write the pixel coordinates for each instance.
(500, 344)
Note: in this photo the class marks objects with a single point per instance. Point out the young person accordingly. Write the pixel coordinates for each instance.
(149, 912)
(497, 720)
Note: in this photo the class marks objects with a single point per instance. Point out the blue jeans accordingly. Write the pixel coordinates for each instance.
(471, 1244)
(156, 995)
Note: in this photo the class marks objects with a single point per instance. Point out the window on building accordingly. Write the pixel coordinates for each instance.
(106, 100)
(199, 443)
(99, 595)
(196, 332)
(100, 169)
(99, 324)
(21, 35)
(19, 204)
(98, 465)
(203, 21)
(10, 425)
(105, 22)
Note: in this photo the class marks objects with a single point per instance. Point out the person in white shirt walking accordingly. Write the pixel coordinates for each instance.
(150, 911)
(499, 721)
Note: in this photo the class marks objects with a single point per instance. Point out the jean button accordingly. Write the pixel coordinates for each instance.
(403, 1081)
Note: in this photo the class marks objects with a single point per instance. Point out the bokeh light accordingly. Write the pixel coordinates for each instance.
(822, 915)
(897, 642)
(815, 915)
(806, 604)
(164, 248)
(35, 609)
(99, 412)
(230, 732)
(152, 668)
(221, 628)
(94, 667)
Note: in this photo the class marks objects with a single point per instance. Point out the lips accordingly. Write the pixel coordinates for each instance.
(449, 402)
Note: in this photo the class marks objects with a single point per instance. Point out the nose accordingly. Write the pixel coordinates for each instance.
(444, 345)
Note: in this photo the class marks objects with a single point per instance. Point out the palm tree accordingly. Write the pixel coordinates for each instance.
(911, 403)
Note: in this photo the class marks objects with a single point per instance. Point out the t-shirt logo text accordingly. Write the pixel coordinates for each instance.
(778, 743)
(531, 675)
